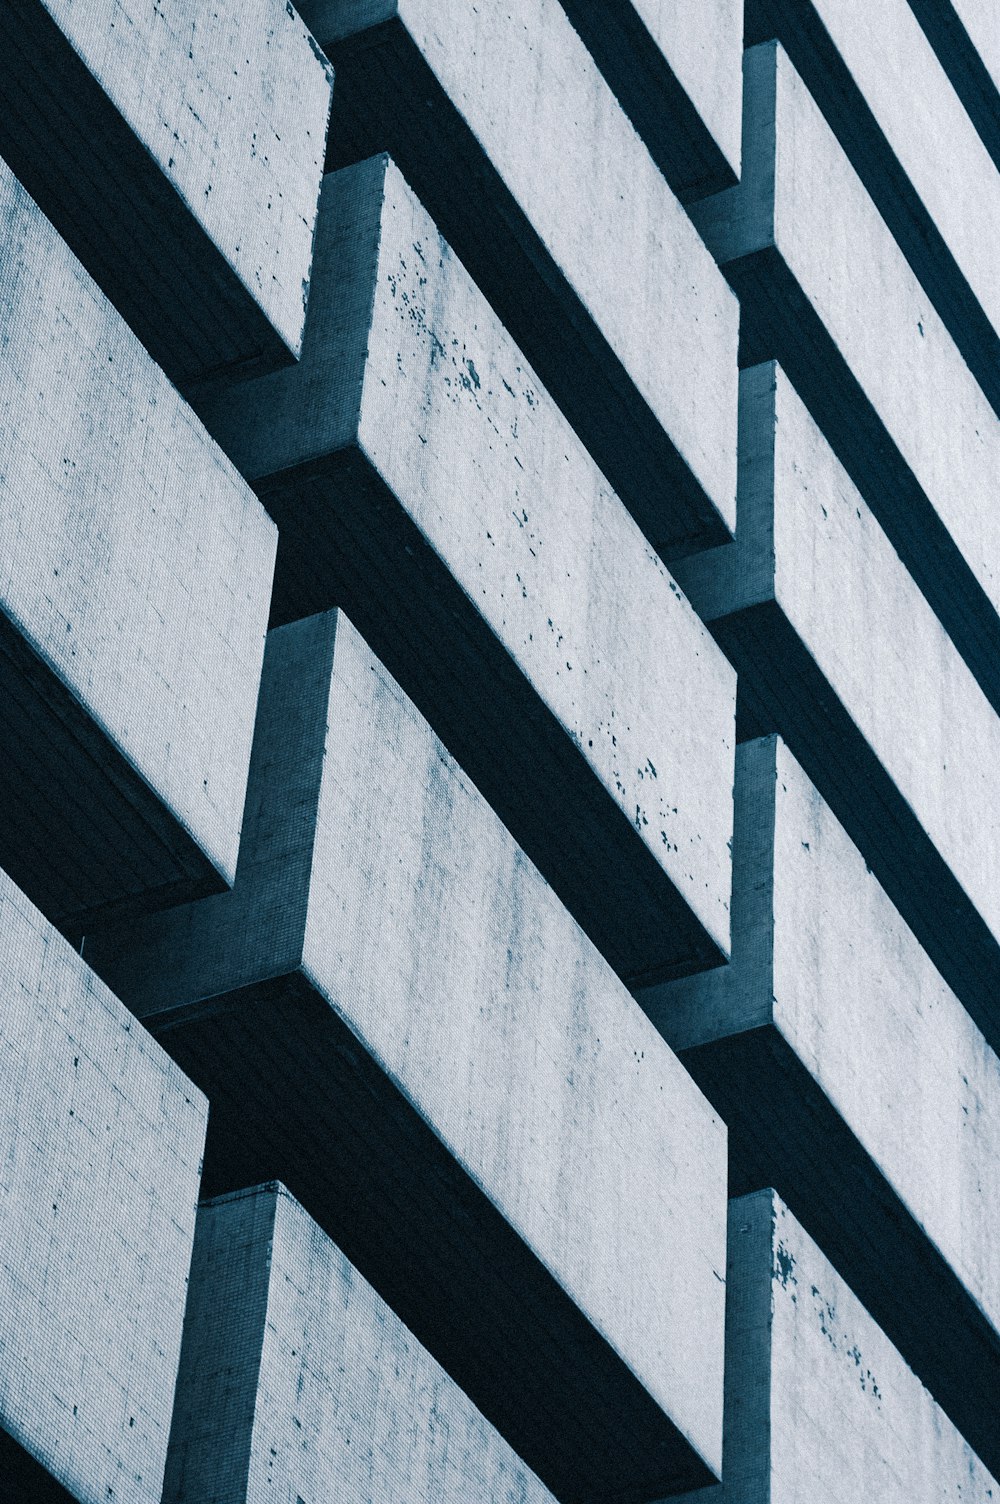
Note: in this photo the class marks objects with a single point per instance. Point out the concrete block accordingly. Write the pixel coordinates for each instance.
(101, 1139)
(837, 649)
(297, 1381)
(422, 479)
(179, 150)
(676, 70)
(819, 1404)
(881, 87)
(393, 1014)
(802, 1044)
(134, 589)
(826, 290)
(966, 36)
(559, 212)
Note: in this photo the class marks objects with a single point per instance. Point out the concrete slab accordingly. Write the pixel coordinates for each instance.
(101, 1138)
(826, 290)
(423, 479)
(134, 590)
(393, 1014)
(896, 734)
(297, 1381)
(880, 85)
(558, 211)
(179, 151)
(819, 1404)
(966, 37)
(801, 1044)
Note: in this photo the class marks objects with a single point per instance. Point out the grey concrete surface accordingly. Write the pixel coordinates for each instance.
(101, 1139)
(853, 1080)
(819, 1404)
(558, 211)
(676, 70)
(826, 290)
(423, 479)
(881, 87)
(966, 36)
(898, 735)
(297, 1381)
(135, 576)
(393, 1014)
(179, 149)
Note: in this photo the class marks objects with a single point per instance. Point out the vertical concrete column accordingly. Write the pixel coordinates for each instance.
(298, 1381)
(179, 150)
(422, 479)
(393, 1013)
(522, 155)
(802, 1044)
(135, 578)
(101, 1139)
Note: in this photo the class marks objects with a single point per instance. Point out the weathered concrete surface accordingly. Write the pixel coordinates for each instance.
(897, 734)
(422, 479)
(393, 1013)
(966, 37)
(819, 1404)
(852, 1078)
(179, 150)
(101, 1139)
(557, 209)
(298, 1382)
(880, 85)
(676, 70)
(827, 291)
(134, 588)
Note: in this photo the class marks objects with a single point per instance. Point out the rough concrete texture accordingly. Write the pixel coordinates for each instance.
(819, 1404)
(516, 600)
(101, 1141)
(676, 70)
(966, 37)
(826, 290)
(557, 209)
(801, 1043)
(298, 1382)
(134, 586)
(179, 150)
(393, 1013)
(881, 87)
(899, 737)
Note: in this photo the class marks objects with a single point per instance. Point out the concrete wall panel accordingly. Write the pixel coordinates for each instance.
(134, 590)
(394, 1013)
(966, 36)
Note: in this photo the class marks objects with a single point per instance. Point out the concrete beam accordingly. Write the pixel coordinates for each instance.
(801, 1044)
(880, 85)
(819, 1404)
(966, 36)
(101, 1138)
(826, 290)
(297, 1381)
(179, 151)
(134, 591)
(422, 479)
(837, 649)
(393, 1014)
(570, 231)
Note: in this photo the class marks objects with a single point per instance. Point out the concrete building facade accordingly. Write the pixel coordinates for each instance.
(499, 752)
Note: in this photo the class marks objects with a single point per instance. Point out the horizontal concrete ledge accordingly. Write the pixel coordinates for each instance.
(182, 163)
(133, 604)
(814, 1389)
(577, 276)
(676, 71)
(394, 1015)
(800, 1045)
(865, 349)
(961, 35)
(291, 1361)
(422, 479)
(924, 165)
